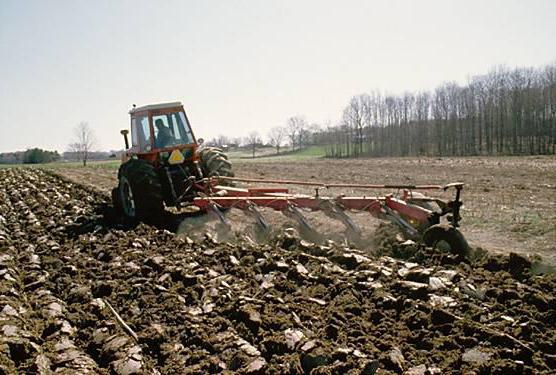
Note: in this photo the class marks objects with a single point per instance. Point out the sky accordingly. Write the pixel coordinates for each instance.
(242, 66)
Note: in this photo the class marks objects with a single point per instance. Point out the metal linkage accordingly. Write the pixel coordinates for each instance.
(398, 220)
(214, 210)
(334, 211)
(335, 185)
(188, 191)
(256, 214)
(305, 227)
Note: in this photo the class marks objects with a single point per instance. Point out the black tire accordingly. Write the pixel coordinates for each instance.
(116, 200)
(214, 162)
(140, 190)
(447, 238)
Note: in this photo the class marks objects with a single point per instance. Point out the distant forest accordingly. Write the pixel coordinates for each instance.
(30, 156)
(504, 112)
(37, 155)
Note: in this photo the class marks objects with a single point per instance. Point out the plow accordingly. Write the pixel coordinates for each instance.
(167, 166)
(413, 212)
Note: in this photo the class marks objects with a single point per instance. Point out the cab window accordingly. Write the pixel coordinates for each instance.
(171, 130)
(140, 132)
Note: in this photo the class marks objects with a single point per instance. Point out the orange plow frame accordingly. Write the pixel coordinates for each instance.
(404, 210)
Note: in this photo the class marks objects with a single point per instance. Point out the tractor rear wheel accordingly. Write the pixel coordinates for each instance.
(116, 200)
(140, 190)
(447, 238)
(214, 163)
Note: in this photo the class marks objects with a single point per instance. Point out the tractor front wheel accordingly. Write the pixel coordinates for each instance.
(140, 191)
(446, 238)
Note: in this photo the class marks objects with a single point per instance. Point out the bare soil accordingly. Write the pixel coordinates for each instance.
(83, 292)
(509, 202)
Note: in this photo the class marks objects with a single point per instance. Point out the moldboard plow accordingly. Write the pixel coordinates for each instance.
(414, 213)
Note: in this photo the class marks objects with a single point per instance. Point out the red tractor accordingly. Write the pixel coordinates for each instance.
(163, 161)
(166, 165)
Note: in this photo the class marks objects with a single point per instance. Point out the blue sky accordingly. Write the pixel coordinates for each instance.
(240, 66)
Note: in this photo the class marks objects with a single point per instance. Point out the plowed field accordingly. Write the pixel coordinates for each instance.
(82, 293)
(509, 203)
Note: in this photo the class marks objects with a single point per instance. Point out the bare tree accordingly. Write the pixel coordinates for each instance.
(356, 117)
(84, 141)
(222, 140)
(276, 136)
(253, 139)
(296, 130)
(292, 131)
(236, 141)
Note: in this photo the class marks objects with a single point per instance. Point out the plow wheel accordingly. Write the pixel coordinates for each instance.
(446, 238)
(140, 191)
(214, 162)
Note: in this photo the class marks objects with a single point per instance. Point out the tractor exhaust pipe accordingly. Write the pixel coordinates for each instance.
(125, 132)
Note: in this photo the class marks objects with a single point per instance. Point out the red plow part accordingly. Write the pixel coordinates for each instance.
(410, 211)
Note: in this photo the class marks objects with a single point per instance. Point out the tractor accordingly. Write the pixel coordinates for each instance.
(163, 162)
(167, 166)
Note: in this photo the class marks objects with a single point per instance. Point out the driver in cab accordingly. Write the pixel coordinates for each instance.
(164, 138)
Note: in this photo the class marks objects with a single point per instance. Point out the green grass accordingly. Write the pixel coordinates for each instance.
(310, 152)
(262, 155)
(247, 153)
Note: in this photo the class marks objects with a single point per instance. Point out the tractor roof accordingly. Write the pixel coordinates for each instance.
(155, 106)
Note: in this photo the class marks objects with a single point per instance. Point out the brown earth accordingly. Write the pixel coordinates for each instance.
(83, 292)
(509, 202)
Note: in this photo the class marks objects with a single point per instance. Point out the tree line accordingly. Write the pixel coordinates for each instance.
(30, 156)
(297, 134)
(503, 112)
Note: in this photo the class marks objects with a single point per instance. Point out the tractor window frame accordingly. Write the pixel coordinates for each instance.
(147, 134)
(134, 132)
(141, 132)
(187, 134)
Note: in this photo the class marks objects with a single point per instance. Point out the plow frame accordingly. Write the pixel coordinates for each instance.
(408, 210)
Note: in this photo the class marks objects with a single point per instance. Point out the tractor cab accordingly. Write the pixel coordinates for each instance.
(160, 133)
(164, 162)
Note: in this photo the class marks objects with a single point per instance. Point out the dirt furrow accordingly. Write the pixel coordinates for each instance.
(286, 306)
(49, 315)
(110, 348)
